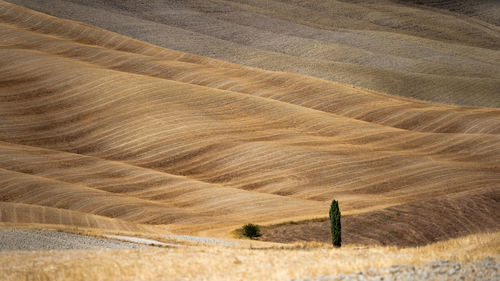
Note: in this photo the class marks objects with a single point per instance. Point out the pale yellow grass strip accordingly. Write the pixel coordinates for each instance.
(214, 263)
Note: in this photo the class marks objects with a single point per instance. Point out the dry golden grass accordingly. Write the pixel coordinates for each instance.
(216, 263)
(102, 131)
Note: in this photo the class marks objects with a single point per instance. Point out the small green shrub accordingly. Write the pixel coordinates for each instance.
(251, 230)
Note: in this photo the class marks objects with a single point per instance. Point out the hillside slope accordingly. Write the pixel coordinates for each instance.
(389, 46)
(486, 10)
(100, 130)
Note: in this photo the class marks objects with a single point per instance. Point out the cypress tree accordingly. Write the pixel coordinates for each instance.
(335, 223)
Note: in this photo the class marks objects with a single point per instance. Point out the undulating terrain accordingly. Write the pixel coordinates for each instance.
(443, 51)
(169, 148)
(102, 131)
(485, 10)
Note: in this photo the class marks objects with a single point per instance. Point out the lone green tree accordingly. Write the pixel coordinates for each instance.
(335, 224)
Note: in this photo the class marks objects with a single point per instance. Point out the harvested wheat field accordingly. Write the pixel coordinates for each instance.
(100, 130)
(102, 134)
(443, 51)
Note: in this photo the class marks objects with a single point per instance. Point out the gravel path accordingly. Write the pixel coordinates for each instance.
(485, 269)
(142, 240)
(28, 239)
(203, 240)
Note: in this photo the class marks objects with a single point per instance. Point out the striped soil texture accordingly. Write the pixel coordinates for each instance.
(103, 131)
(442, 51)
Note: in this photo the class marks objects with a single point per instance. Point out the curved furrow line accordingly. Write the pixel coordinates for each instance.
(86, 34)
(161, 151)
(126, 130)
(345, 169)
(198, 103)
(301, 46)
(320, 106)
(325, 10)
(343, 162)
(26, 213)
(188, 195)
(35, 190)
(411, 224)
(428, 51)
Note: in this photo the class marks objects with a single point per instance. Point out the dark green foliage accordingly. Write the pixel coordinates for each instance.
(335, 223)
(251, 230)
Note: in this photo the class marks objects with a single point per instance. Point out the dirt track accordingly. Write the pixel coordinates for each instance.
(484, 270)
(221, 263)
(29, 239)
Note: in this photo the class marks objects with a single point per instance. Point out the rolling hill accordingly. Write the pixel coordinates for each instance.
(486, 10)
(104, 131)
(442, 51)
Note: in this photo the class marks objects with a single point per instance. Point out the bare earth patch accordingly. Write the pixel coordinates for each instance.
(413, 224)
(29, 239)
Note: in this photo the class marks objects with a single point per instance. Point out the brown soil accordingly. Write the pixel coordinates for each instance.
(413, 224)
(397, 48)
(486, 10)
(103, 131)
